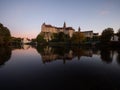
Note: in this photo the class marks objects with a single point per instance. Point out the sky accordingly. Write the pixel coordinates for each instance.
(25, 17)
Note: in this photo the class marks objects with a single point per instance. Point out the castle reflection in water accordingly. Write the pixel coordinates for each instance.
(53, 53)
(50, 54)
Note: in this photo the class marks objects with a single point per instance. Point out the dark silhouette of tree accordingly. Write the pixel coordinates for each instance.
(118, 34)
(60, 37)
(4, 35)
(55, 37)
(96, 38)
(107, 34)
(15, 41)
(40, 38)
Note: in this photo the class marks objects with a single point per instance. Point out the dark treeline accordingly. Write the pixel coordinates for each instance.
(106, 37)
(7, 40)
(4, 35)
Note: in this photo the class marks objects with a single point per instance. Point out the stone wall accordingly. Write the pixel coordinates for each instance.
(48, 30)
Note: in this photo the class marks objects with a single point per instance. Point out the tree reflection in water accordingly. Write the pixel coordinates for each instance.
(118, 57)
(5, 54)
(50, 54)
(65, 53)
(106, 55)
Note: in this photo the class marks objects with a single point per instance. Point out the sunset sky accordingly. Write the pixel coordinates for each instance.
(25, 17)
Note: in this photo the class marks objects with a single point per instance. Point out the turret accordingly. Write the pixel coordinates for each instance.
(79, 29)
(43, 23)
(64, 25)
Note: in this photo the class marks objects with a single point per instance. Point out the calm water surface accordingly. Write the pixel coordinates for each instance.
(33, 68)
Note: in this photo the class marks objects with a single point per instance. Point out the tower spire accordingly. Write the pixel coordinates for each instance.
(64, 25)
(79, 29)
(44, 23)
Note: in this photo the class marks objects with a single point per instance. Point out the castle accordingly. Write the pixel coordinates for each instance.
(48, 30)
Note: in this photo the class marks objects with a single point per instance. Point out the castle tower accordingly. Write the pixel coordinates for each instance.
(43, 27)
(64, 25)
(79, 29)
(44, 23)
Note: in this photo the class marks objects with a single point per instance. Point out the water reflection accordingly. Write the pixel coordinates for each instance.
(22, 47)
(50, 54)
(118, 57)
(86, 68)
(5, 54)
(106, 55)
(79, 52)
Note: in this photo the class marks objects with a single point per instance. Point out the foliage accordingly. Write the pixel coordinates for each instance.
(33, 40)
(54, 37)
(4, 35)
(118, 34)
(77, 37)
(40, 38)
(60, 37)
(107, 34)
(96, 38)
(17, 40)
(87, 39)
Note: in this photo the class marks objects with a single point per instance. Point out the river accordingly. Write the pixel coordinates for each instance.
(33, 68)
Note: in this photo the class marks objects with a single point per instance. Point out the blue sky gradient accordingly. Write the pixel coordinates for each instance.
(25, 17)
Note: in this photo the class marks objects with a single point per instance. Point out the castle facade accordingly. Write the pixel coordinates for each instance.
(48, 30)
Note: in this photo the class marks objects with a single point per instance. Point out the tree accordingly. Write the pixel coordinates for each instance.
(34, 40)
(118, 34)
(60, 37)
(15, 41)
(107, 34)
(77, 37)
(95, 38)
(5, 35)
(54, 37)
(40, 38)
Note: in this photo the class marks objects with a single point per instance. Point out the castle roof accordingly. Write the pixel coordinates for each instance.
(48, 25)
(66, 28)
(95, 33)
(87, 31)
(59, 27)
(69, 28)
